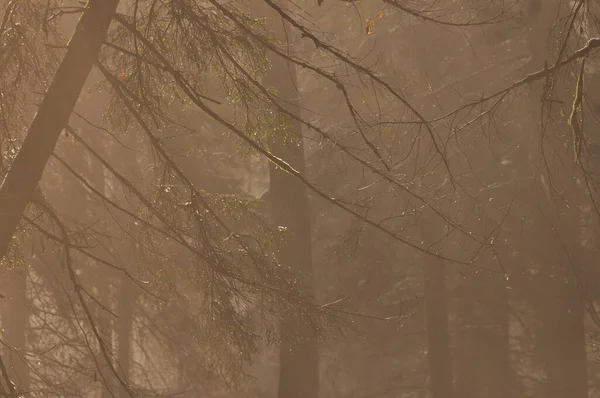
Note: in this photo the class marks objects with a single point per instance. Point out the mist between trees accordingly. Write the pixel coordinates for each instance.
(317, 198)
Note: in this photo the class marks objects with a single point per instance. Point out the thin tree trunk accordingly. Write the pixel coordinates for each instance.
(103, 276)
(501, 382)
(105, 328)
(299, 362)
(15, 318)
(125, 312)
(559, 300)
(52, 116)
(561, 338)
(483, 350)
(470, 339)
(127, 294)
(299, 373)
(438, 338)
(560, 308)
(439, 356)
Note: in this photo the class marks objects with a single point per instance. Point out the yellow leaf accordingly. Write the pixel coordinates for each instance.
(380, 14)
(370, 23)
(122, 75)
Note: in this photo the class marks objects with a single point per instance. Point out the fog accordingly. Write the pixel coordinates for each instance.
(309, 199)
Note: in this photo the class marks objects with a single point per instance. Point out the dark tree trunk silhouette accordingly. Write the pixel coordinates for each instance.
(483, 348)
(289, 207)
(558, 294)
(439, 356)
(470, 339)
(560, 336)
(483, 353)
(438, 337)
(299, 364)
(52, 116)
(560, 307)
(501, 382)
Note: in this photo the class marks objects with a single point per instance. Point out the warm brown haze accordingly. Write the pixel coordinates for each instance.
(300, 199)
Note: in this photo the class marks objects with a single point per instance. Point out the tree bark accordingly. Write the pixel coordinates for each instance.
(299, 362)
(52, 116)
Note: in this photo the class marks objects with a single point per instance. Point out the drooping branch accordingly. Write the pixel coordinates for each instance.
(282, 163)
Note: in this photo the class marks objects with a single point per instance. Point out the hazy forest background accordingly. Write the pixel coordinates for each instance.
(299, 199)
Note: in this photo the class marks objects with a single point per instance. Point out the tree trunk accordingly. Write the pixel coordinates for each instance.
(561, 338)
(104, 325)
(52, 116)
(103, 275)
(438, 338)
(559, 299)
(299, 363)
(501, 382)
(125, 323)
(15, 318)
(483, 349)
(299, 373)
(560, 307)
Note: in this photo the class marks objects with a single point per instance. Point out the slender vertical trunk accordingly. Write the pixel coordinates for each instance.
(299, 363)
(561, 339)
(127, 294)
(105, 328)
(483, 363)
(103, 276)
(299, 367)
(125, 312)
(470, 340)
(299, 373)
(501, 382)
(15, 318)
(52, 116)
(439, 355)
(483, 351)
(559, 300)
(438, 337)
(560, 307)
